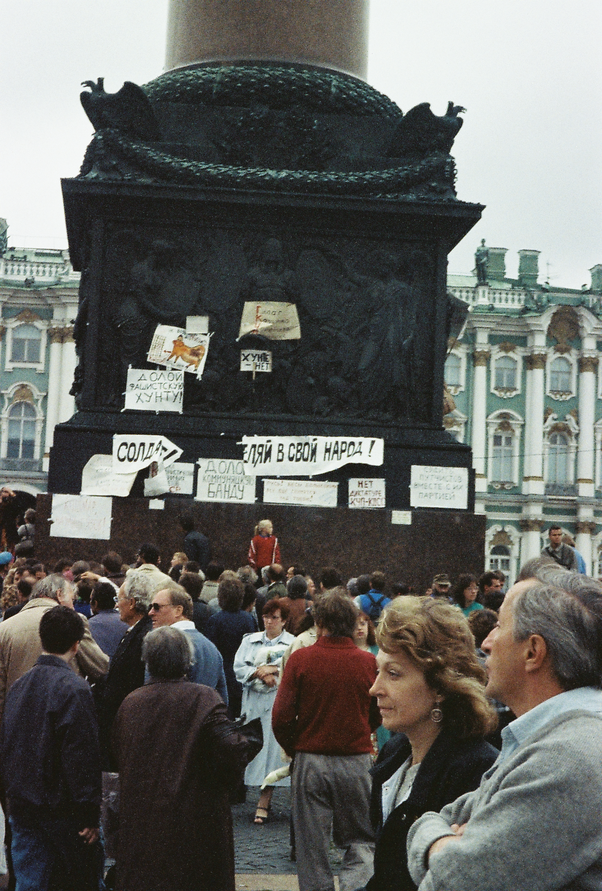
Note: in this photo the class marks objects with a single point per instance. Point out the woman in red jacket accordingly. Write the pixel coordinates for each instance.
(263, 550)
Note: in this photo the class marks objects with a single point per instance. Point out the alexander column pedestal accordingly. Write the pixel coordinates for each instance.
(226, 185)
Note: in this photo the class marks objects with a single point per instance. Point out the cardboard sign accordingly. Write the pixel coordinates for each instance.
(366, 494)
(155, 390)
(309, 493)
(177, 348)
(133, 452)
(442, 487)
(276, 321)
(222, 479)
(308, 455)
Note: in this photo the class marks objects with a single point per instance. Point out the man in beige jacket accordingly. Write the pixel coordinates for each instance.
(20, 643)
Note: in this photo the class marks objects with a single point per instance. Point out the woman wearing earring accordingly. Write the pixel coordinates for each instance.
(430, 691)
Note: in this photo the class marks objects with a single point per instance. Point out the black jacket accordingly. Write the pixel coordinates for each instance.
(450, 768)
(126, 673)
(49, 750)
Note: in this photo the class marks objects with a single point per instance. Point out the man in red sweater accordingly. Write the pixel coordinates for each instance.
(324, 715)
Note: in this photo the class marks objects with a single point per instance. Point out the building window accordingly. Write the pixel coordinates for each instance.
(560, 376)
(558, 459)
(499, 559)
(505, 373)
(453, 367)
(21, 431)
(26, 344)
(502, 457)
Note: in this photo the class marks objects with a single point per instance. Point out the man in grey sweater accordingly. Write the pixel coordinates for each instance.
(534, 821)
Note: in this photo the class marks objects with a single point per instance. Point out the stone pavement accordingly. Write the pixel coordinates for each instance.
(262, 853)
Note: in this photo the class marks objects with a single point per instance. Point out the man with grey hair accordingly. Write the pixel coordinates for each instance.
(20, 644)
(126, 671)
(173, 606)
(534, 822)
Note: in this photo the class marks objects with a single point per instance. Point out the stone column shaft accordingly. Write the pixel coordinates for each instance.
(329, 33)
(54, 387)
(587, 407)
(533, 463)
(479, 417)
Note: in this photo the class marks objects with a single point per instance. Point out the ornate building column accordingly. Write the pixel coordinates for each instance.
(588, 365)
(531, 537)
(480, 358)
(54, 385)
(533, 483)
(585, 530)
(68, 363)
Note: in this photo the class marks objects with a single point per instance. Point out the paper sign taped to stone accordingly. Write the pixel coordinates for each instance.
(442, 487)
(308, 455)
(99, 478)
(224, 479)
(156, 482)
(176, 348)
(255, 360)
(155, 390)
(276, 321)
(366, 494)
(81, 516)
(197, 324)
(309, 493)
(133, 452)
(180, 478)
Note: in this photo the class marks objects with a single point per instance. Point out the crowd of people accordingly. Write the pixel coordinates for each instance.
(138, 704)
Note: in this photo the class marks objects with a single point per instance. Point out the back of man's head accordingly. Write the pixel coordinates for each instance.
(378, 581)
(149, 553)
(112, 562)
(330, 578)
(213, 571)
(103, 593)
(60, 628)
(79, 567)
(50, 586)
(569, 619)
(187, 522)
(276, 572)
(336, 613)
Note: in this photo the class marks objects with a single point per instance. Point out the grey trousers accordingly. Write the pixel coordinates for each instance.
(331, 794)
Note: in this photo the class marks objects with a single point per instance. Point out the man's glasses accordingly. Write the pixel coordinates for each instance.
(157, 606)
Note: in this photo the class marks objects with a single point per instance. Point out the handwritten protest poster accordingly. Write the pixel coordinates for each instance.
(180, 478)
(255, 360)
(99, 478)
(177, 348)
(443, 487)
(156, 481)
(133, 452)
(309, 493)
(308, 455)
(366, 494)
(81, 516)
(276, 321)
(155, 390)
(224, 480)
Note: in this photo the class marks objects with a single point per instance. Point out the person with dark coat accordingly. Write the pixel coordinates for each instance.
(196, 545)
(50, 765)
(175, 819)
(106, 625)
(430, 692)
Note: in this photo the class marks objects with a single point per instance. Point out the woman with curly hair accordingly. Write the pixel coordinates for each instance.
(430, 691)
(464, 594)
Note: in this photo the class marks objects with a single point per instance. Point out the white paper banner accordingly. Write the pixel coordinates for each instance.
(366, 494)
(309, 493)
(176, 348)
(276, 321)
(81, 516)
(135, 452)
(99, 478)
(443, 487)
(222, 479)
(180, 478)
(308, 455)
(155, 390)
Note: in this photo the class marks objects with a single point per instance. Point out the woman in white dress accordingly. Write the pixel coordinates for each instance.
(257, 668)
